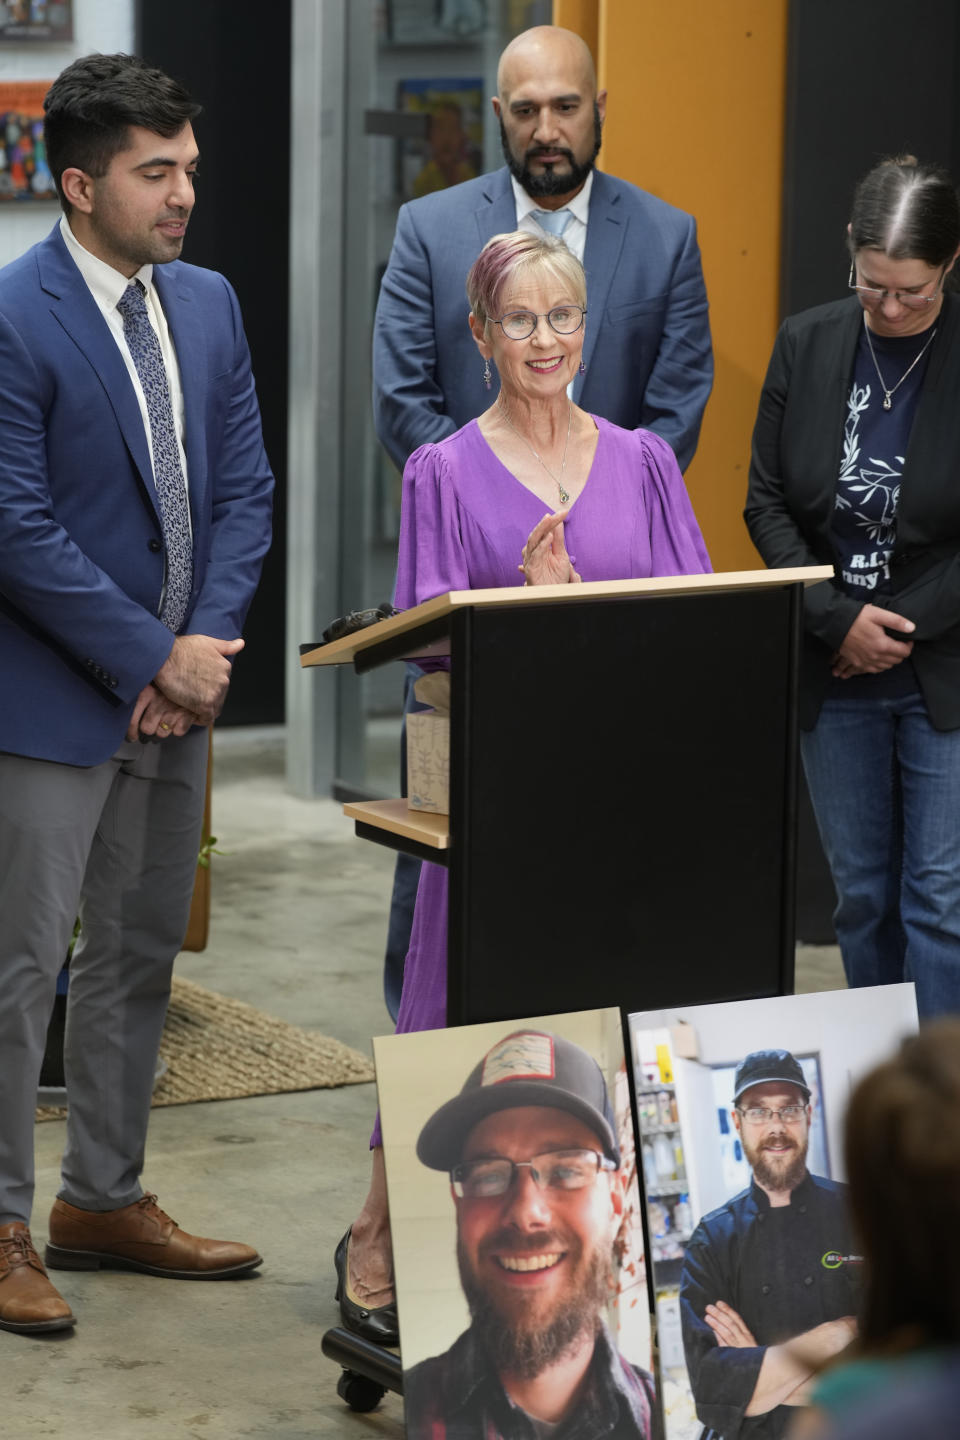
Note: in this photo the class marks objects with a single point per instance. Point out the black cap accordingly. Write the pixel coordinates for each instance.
(529, 1067)
(765, 1066)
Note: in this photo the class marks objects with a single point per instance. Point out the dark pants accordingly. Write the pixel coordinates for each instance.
(406, 875)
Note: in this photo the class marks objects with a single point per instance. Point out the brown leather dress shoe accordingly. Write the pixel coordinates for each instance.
(140, 1237)
(29, 1304)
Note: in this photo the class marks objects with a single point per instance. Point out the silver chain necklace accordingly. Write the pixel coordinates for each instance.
(564, 494)
(889, 394)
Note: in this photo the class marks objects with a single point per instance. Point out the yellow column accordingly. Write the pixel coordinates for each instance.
(695, 114)
(582, 16)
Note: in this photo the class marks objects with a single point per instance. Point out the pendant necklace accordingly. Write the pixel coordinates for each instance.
(889, 394)
(564, 494)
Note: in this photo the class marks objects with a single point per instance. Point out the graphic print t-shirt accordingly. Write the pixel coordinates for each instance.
(868, 486)
(874, 445)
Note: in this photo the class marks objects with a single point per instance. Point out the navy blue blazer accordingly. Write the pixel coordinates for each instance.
(81, 566)
(647, 343)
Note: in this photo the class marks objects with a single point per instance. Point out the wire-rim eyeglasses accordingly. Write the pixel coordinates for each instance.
(554, 1170)
(763, 1114)
(870, 296)
(562, 319)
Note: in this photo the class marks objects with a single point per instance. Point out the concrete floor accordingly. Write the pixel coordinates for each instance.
(298, 926)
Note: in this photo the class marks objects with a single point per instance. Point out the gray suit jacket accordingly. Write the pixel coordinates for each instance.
(647, 346)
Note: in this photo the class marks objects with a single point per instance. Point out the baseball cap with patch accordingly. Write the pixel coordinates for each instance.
(764, 1067)
(529, 1067)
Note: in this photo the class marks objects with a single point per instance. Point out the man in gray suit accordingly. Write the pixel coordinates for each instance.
(647, 342)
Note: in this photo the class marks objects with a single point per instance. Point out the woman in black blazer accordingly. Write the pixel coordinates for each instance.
(856, 463)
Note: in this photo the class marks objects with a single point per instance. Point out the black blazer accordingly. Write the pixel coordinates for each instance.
(795, 461)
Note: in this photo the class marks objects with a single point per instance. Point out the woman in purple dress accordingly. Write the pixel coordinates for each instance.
(536, 487)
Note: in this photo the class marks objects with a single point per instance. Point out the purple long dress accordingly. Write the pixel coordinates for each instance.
(465, 519)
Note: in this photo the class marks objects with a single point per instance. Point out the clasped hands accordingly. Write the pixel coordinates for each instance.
(867, 649)
(189, 688)
(544, 558)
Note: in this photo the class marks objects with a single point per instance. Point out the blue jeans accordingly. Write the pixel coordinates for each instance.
(885, 787)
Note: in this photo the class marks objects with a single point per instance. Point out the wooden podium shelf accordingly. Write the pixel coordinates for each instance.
(394, 824)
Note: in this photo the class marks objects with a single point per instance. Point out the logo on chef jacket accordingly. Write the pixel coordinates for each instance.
(833, 1260)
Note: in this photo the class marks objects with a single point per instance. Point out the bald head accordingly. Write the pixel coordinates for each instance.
(543, 49)
(551, 117)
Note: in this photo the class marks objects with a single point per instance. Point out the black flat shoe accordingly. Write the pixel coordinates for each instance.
(380, 1326)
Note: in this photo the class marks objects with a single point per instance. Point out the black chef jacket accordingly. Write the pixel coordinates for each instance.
(784, 1269)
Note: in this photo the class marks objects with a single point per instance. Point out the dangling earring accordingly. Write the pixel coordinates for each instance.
(583, 368)
(487, 374)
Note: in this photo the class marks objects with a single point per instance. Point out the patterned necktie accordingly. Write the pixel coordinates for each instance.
(168, 479)
(555, 221)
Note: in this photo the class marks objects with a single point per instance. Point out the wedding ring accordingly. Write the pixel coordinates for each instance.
(164, 725)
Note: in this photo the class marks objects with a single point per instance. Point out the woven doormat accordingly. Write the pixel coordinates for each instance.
(216, 1048)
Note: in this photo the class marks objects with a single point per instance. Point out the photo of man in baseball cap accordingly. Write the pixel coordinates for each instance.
(530, 1147)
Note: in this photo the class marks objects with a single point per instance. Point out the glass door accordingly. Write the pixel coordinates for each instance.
(420, 74)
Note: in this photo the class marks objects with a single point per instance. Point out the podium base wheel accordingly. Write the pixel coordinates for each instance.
(360, 1393)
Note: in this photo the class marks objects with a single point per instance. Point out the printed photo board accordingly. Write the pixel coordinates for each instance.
(511, 1172)
(741, 1111)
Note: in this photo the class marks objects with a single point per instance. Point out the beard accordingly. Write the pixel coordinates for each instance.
(782, 1172)
(552, 181)
(522, 1341)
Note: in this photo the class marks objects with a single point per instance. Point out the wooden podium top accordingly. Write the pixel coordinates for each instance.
(341, 652)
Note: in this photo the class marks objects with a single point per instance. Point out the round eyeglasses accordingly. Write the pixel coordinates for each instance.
(871, 297)
(563, 319)
(553, 1170)
(762, 1115)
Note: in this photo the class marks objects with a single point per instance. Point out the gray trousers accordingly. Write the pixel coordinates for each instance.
(117, 845)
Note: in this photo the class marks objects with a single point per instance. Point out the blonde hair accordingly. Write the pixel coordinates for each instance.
(506, 257)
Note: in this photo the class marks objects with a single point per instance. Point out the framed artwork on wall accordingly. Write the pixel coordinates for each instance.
(451, 149)
(25, 176)
(36, 20)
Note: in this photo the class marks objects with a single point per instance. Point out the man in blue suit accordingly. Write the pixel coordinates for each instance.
(647, 336)
(135, 501)
(647, 347)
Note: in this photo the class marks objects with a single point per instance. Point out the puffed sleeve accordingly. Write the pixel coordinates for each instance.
(432, 559)
(676, 544)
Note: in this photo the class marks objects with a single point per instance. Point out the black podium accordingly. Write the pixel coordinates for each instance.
(623, 788)
(623, 797)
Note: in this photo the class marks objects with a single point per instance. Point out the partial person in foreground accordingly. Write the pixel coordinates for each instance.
(135, 501)
(902, 1375)
(855, 454)
(770, 1281)
(530, 1145)
(539, 492)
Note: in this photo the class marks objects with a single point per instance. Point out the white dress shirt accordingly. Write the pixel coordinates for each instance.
(575, 234)
(107, 285)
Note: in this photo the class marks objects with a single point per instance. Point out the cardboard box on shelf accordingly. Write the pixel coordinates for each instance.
(428, 746)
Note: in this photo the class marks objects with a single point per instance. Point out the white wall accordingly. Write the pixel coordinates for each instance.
(104, 25)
